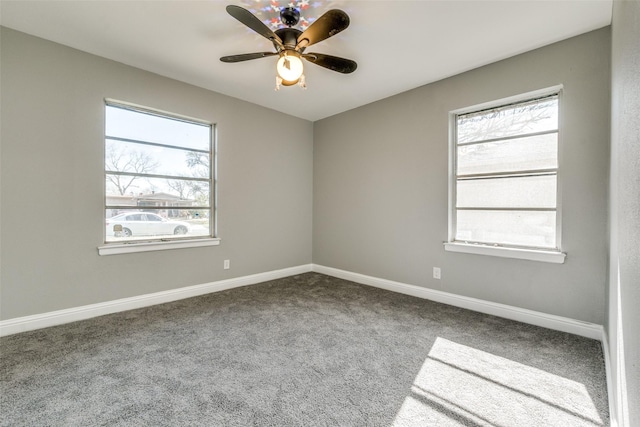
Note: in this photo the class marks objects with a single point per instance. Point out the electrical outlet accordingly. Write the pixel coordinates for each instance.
(436, 273)
(227, 264)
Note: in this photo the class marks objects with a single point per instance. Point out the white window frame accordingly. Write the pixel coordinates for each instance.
(506, 251)
(114, 248)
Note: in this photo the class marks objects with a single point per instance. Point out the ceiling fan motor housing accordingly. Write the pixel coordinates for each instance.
(289, 37)
(289, 16)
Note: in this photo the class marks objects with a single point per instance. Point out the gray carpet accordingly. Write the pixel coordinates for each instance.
(308, 350)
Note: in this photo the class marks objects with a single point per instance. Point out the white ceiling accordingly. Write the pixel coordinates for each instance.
(398, 45)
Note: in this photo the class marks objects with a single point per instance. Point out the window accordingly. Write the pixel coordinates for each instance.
(159, 177)
(504, 190)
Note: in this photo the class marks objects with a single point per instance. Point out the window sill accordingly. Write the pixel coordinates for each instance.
(528, 254)
(125, 248)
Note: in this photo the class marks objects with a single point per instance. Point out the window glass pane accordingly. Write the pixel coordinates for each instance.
(176, 202)
(125, 190)
(155, 223)
(123, 156)
(531, 153)
(518, 119)
(513, 192)
(519, 228)
(124, 123)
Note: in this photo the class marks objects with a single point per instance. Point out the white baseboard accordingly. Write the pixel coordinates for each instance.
(608, 368)
(558, 323)
(44, 320)
(28, 323)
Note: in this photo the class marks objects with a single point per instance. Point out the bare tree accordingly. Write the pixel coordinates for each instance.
(503, 121)
(181, 187)
(199, 163)
(126, 160)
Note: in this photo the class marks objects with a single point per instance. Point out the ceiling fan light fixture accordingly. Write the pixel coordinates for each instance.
(290, 43)
(289, 67)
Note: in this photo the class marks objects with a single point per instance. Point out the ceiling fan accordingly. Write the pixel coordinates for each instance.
(290, 43)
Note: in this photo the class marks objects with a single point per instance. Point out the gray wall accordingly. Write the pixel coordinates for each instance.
(380, 184)
(624, 277)
(52, 182)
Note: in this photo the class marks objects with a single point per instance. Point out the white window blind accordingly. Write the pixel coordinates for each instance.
(506, 175)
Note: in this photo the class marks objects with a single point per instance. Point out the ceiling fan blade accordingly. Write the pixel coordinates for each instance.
(246, 56)
(341, 65)
(251, 21)
(328, 25)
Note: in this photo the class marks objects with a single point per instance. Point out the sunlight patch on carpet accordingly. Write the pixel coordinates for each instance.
(460, 385)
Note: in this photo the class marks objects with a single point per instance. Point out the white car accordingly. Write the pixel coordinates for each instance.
(144, 224)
